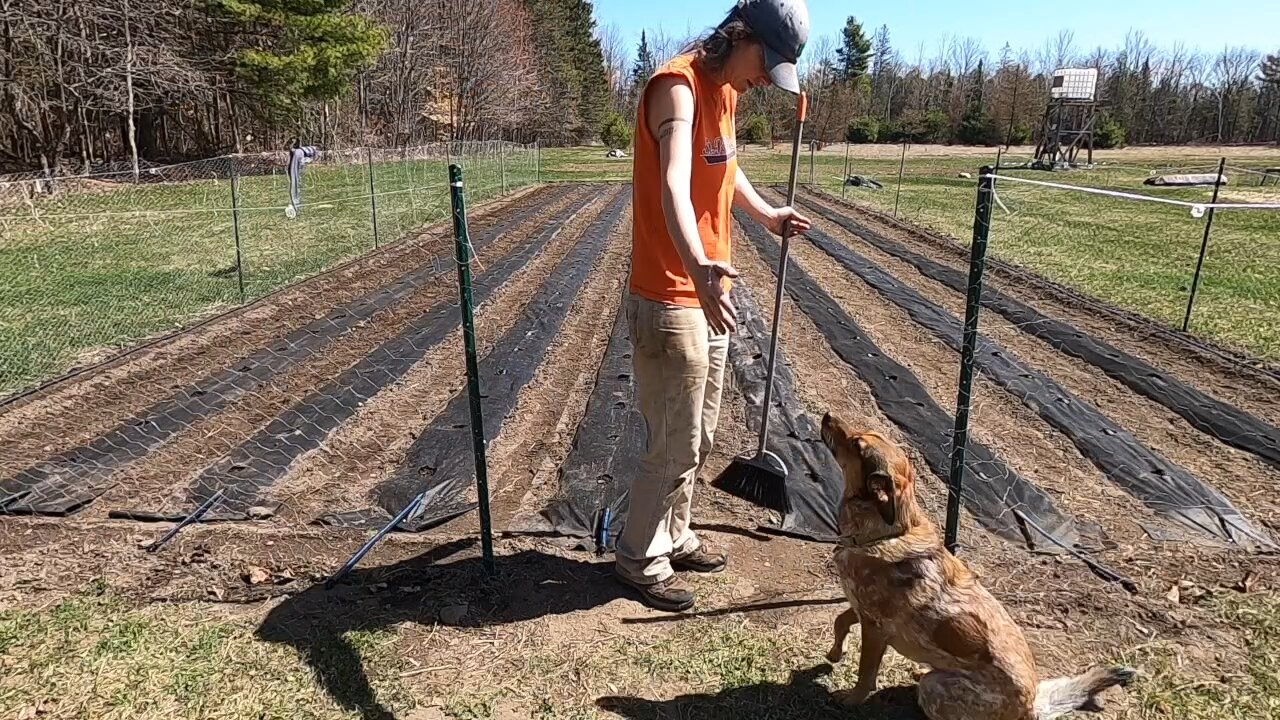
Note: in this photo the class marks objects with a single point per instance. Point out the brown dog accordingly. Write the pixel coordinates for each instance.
(908, 592)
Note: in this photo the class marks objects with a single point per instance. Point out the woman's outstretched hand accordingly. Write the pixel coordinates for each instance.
(780, 217)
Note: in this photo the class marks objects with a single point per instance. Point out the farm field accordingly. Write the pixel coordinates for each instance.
(313, 415)
(105, 263)
(1141, 257)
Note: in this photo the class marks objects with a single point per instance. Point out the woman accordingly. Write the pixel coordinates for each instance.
(686, 182)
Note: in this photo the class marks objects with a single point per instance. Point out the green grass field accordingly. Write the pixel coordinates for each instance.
(96, 656)
(104, 265)
(1139, 256)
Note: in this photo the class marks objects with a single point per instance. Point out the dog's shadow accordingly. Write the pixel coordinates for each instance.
(802, 697)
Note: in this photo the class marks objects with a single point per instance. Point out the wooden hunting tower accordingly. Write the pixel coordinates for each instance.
(1069, 119)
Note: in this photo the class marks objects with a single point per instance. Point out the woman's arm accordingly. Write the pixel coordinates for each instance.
(670, 118)
(746, 197)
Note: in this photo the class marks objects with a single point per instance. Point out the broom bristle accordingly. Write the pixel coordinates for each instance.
(758, 486)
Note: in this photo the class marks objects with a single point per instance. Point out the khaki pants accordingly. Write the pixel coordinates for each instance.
(679, 375)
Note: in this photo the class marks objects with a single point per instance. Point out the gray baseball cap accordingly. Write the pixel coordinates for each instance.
(783, 28)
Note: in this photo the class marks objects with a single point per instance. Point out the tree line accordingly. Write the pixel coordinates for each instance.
(88, 85)
(93, 85)
(863, 89)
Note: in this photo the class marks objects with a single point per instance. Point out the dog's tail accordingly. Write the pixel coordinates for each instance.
(1063, 695)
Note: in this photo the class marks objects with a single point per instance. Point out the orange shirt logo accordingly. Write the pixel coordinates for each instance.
(719, 151)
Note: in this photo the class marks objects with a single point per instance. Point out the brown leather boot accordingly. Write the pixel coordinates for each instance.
(700, 561)
(670, 595)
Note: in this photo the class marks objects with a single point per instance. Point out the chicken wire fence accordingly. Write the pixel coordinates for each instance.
(1142, 257)
(93, 264)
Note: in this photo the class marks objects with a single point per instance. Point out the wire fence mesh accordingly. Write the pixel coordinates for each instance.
(93, 264)
(1138, 256)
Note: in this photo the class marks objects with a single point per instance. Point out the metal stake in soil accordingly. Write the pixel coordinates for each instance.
(463, 238)
(373, 198)
(973, 304)
(1204, 248)
(350, 564)
(195, 516)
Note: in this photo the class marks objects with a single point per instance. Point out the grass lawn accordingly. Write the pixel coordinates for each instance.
(97, 657)
(105, 265)
(1138, 256)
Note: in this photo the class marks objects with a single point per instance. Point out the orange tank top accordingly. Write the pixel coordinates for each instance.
(657, 273)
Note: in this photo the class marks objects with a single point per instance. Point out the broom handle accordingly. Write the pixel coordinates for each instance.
(782, 272)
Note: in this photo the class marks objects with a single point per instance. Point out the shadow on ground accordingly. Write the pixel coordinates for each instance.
(801, 698)
(448, 585)
(426, 589)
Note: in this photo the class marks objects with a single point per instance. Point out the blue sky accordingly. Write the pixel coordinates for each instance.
(1201, 24)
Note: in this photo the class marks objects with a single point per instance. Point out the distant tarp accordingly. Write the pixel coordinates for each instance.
(1193, 180)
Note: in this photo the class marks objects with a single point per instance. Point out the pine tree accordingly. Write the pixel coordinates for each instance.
(1270, 72)
(576, 86)
(643, 69)
(854, 52)
(296, 50)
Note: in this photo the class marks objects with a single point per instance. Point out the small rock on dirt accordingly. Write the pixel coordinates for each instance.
(454, 614)
(257, 576)
(965, 176)
(258, 512)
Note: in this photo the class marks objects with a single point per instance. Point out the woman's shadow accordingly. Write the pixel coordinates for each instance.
(801, 698)
(427, 590)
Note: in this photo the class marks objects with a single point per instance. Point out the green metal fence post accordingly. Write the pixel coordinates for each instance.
(373, 197)
(1204, 248)
(973, 304)
(844, 179)
(463, 242)
(235, 225)
(502, 163)
(902, 166)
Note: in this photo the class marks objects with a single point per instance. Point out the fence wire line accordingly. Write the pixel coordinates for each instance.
(93, 268)
(355, 154)
(1196, 208)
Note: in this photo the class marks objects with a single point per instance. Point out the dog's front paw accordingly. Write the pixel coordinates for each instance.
(850, 698)
(835, 654)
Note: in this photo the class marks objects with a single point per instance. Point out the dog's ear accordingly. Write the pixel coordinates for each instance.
(879, 480)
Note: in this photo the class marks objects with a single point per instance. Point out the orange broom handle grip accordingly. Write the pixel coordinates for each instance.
(804, 107)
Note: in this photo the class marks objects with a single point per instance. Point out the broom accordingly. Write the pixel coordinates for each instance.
(761, 479)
